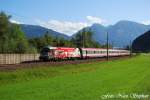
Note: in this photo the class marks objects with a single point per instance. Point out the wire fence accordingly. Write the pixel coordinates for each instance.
(13, 58)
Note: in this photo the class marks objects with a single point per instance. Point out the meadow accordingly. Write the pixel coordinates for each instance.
(126, 79)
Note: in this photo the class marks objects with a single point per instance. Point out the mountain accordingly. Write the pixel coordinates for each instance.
(38, 31)
(142, 43)
(125, 31)
(120, 34)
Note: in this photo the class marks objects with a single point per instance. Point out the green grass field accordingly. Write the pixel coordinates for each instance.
(79, 82)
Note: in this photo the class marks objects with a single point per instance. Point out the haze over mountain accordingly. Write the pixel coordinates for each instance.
(120, 34)
(38, 31)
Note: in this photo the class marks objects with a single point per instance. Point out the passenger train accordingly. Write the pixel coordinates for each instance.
(55, 53)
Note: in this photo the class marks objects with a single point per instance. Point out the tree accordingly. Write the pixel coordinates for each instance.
(12, 39)
(40, 42)
(84, 39)
(4, 29)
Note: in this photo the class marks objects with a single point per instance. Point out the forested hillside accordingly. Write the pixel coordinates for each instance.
(142, 43)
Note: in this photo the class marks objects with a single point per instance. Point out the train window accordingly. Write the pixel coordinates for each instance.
(97, 52)
(93, 52)
(103, 51)
(85, 52)
(89, 52)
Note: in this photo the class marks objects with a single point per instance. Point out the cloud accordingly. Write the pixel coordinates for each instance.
(14, 21)
(69, 27)
(146, 22)
(92, 20)
(63, 26)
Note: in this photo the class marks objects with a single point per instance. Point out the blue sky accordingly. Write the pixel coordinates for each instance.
(68, 16)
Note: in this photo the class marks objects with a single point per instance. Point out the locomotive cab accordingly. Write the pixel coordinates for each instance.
(47, 53)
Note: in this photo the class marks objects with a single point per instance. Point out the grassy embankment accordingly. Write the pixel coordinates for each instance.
(78, 82)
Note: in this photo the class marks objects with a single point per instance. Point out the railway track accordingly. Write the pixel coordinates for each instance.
(34, 64)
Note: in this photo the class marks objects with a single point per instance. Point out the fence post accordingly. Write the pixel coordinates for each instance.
(5, 58)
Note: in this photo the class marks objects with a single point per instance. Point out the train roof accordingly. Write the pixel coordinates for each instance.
(100, 49)
(50, 47)
(71, 48)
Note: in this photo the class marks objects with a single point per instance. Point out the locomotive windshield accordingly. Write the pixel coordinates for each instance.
(45, 51)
